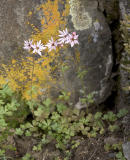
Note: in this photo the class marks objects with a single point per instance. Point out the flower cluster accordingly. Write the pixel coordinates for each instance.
(64, 38)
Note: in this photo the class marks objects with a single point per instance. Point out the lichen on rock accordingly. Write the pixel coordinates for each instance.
(46, 19)
(80, 17)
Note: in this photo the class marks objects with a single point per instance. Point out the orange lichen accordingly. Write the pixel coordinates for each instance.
(27, 74)
(31, 76)
(51, 21)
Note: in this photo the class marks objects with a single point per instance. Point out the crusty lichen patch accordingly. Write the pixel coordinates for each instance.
(34, 78)
(80, 17)
(52, 20)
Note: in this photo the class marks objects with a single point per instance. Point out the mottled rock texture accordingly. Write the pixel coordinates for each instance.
(126, 150)
(125, 55)
(125, 72)
(87, 19)
(13, 24)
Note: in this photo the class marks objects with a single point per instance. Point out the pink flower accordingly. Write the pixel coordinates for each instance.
(52, 44)
(28, 45)
(73, 39)
(38, 48)
(64, 36)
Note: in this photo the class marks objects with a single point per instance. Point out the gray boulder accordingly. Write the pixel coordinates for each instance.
(126, 150)
(94, 37)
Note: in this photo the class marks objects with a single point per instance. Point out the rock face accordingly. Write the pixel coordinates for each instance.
(126, 150)
(125, 55)
(87, 19)
(13, 24)
(96, 53)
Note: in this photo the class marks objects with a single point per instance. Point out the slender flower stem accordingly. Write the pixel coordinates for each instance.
(32, 77)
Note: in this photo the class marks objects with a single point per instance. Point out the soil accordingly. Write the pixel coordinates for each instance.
(89, 148)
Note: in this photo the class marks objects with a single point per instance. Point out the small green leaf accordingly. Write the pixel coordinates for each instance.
(98, 115)
(47, 102)
(122, 113)
(19, 131)
(28, 133)
(61, 107)
(113, 128)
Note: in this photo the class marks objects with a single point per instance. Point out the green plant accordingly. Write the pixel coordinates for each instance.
(13, 111)
(87, 99)
(107, 147)
(27, 157)
(113, 128)
(3, 157)
(81, 73)
(122, 113)
(120, 156)
(51, 121)
(38, 147)
(67, 155)
(2, 152)
(64, 96)
(117, 148)
(110, 116)
(75, 144)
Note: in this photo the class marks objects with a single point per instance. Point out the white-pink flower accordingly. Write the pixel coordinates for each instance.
(38, 48)
(64, 37)
(28, 45)
(52, 44)
(73, 39)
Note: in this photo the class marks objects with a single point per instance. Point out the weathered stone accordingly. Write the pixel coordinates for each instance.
(111, 8)
(13, 25)
(124, 92)
(126, 150)
(112, 155)
(126, 126)
(96, 54)
(125, 55)
(94, 41)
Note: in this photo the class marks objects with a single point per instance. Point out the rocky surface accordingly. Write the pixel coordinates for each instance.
(96, 22)
(125, 55)
(126, 150)
(94, 37)
(125, 73)
(96, 54)
(13, 25)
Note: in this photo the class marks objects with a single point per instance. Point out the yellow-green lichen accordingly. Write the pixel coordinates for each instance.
(80, 17)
